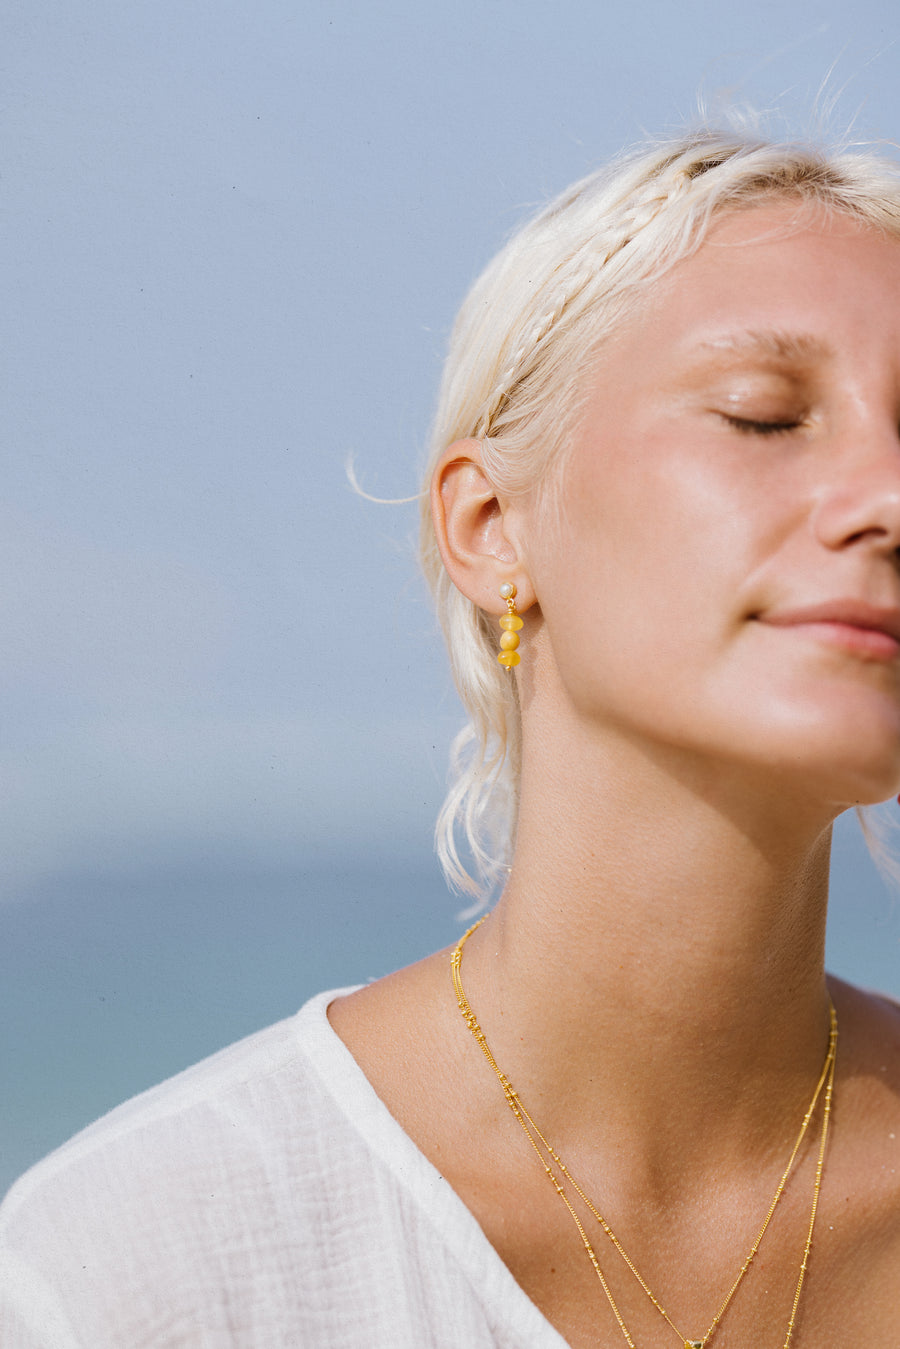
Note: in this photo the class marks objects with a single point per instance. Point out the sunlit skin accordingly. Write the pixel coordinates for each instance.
(738, 465)
(710, 673)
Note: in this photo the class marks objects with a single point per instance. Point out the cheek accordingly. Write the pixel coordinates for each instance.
(642, 624)
(647, 590)
(658, 541)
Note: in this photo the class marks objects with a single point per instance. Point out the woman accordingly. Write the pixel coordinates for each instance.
(630, 1108)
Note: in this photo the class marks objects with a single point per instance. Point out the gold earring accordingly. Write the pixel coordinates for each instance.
(510, 622)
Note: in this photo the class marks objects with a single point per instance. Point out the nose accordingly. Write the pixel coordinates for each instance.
(859, 503)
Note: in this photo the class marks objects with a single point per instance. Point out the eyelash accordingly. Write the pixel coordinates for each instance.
(748, 427)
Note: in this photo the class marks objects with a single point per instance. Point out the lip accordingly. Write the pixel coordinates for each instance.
(855, 625)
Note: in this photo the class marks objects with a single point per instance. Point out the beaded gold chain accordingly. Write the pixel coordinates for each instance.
(545, 1151)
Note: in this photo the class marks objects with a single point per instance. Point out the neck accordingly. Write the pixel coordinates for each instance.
(656, 958)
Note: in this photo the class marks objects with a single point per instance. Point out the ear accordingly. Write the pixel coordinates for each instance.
(476, 531)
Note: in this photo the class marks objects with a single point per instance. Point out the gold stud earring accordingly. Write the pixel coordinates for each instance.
(511, 623)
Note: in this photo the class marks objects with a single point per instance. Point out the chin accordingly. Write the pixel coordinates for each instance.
(857, 769)
(841, 749)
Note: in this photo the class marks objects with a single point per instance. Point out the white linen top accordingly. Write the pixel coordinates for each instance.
(265, 1198)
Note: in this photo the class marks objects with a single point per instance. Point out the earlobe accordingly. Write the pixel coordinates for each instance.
(471, 525)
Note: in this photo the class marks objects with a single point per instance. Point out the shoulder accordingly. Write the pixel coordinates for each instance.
(869, 1025)
(265, 1197)
(158, 1193)
(867, 1087)
(867, 1112)
(858, 1236)
(249, 1081)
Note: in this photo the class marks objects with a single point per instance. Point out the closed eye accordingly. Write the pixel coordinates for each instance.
(750, 427)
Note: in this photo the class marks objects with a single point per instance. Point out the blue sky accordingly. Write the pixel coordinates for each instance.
(234, 239)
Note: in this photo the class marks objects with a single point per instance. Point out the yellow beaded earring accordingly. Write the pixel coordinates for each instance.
(510, 622)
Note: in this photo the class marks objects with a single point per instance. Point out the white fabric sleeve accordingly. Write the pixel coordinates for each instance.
(30, 1314)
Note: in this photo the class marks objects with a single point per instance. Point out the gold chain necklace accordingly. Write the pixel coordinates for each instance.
(545, 1151)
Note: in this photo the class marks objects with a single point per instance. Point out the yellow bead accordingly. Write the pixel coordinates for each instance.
(509, 658)
(511, 622)
(509, 641)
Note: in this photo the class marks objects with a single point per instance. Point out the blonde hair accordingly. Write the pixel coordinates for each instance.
(526, 335)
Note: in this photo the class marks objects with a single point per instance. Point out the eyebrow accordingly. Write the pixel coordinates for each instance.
(796, 347)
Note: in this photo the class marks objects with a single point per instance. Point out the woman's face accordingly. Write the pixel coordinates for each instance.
(727, 579)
